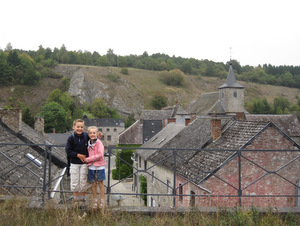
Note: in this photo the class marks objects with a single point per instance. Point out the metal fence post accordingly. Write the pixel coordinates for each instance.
(44, 177)
(240, 178)
(108, 189)
(174, 180)
(48, 150)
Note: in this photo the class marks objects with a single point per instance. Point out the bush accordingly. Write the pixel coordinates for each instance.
(113, 77)
(143, 183)
(173, 78)
(123, 166)
(159, 100)
(124, 71)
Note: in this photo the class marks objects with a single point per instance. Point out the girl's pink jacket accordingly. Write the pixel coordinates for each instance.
(96, 154)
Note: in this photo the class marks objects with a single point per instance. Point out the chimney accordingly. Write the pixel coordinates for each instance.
(215, 125)
(240, 116)
(193, 117)
(39, 124)
(12, 118)
(187, 121)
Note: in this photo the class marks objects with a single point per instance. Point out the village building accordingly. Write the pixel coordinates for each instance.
(203, 177)
(110, 128)
(21, 165)
(151, 122)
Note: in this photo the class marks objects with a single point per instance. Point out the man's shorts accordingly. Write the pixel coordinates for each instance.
(99, 175)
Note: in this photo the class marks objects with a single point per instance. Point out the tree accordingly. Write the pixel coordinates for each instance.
(159, 100)
(27, 117)
(99, 108)
(129, 120)
(8, 47)
(55, 117)
(187, 67)
(281, 105)
(54, 96)
(111, 57)
(102, 61)
(13, 58)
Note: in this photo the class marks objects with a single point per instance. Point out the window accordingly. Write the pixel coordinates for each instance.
(180, 192)
(100, 129)
(152, 179)
(193, 199)
(34, 160)
(152, 202)
(115, 130)
(107, 129)
(109, 137)
(145, 165)
(235, 94)
(102, 138)
(222, 95)
(168, 187)
(140, 161)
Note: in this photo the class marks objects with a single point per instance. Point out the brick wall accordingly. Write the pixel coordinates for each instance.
(270, 184)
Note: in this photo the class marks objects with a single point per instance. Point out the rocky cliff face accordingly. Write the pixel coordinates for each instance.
(88, 83)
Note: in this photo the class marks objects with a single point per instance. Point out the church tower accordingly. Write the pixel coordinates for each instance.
(231, 94)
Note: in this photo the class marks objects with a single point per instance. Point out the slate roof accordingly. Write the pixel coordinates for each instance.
(288, 123)
(235, 136)
(193, 136)
(104, 122)
(132, 135)
(156, 114)
(160, 139)
(15, 168)
(231, 81)
(205, 104)
(30, 135)
(59, 138)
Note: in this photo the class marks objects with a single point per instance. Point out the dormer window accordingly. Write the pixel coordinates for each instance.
(235, 94)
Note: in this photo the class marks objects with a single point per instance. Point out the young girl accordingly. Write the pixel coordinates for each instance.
(96, 164)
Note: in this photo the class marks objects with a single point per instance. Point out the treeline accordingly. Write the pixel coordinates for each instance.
(18, 67)
(279, 106)
(46, 57)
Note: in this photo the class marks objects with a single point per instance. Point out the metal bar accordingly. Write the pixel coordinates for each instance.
(44, 177)
(174, 180)
(240, 178)
(108, 189)
(48, 150)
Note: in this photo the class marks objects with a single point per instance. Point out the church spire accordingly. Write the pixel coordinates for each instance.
(231, 81)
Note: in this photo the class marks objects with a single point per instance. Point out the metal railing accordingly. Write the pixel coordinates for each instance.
(173, 156)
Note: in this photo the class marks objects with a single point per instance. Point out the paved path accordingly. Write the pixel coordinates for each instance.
(122, 187)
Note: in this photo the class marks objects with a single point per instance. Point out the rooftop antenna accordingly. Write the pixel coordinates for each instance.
(230, 53)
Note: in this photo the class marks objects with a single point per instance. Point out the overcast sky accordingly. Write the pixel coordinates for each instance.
(257, 31)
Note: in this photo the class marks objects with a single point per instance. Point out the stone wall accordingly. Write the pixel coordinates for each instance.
(12, 118)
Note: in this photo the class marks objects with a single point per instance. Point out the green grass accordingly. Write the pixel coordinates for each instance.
(15, 212)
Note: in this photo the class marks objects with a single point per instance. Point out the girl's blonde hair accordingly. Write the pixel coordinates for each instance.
(92, 127)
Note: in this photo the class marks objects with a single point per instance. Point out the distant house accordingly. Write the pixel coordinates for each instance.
(22, 166)
(110, 128)
(153, 121)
